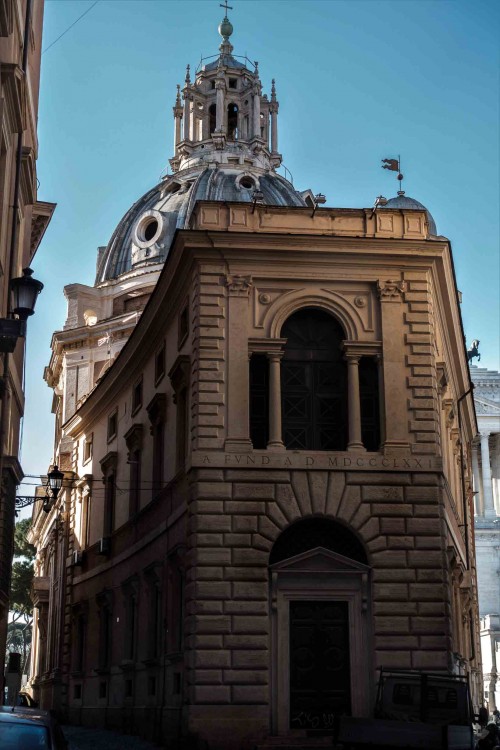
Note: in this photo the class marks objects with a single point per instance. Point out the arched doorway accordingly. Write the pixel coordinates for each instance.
(313, 382)
(320, 626)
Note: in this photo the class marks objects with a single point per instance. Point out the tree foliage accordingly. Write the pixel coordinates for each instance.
(22, 548)
(22, 577)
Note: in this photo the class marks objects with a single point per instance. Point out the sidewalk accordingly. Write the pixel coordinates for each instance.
(83, 738)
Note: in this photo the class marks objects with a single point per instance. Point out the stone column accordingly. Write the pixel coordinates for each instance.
(396, 428)
(275, 437)
(273, 108)
(219, 113)
(238, 427)
(187, 116)
(353, 404)
(477, 482)
(256, 111)
(177, 119)
(489, 506)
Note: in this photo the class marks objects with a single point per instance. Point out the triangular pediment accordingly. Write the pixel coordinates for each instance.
(486, 406)
(320, 560)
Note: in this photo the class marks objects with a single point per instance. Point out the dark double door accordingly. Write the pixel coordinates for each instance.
(320, 675)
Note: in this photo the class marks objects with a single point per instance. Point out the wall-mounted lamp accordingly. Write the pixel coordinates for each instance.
(25, 291)
(54, 484)
(319, 200)
(257, 197)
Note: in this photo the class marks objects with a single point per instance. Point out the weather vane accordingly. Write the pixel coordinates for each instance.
(395, 166)
(226, 6)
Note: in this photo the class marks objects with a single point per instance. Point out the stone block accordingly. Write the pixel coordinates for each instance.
(208, 490)
(245, 677)
(427, 511)
(237, 540)
(396, 642)
(382, 479)
(287, 502)
(210, 475)
(250, 590)
(422, 526)
(250, 659)
(386, 624)
(200, 642)
(245, 607)
(425, 559)
(388, 574)
(414, 296)
(420, 360)
(425, 371)
(382, 494)
(392, 526)
(428, 542)
(389, 559)
(261, 542)
(207, 676)
(246, 574)
(418, 338)
(212, 659)
(390, 509)
(277, 517)
(335, 492)
(430, 575)
(253, 492)
(421, 328)
(245, 523)
(416, 317)
(250, 624)
(422, 494)
(206, 506)
(212, 556)
(426, 591)
(434, 642)
(250, 694)
(206, 540)
(422, 426)
(393, 659)
(370, 529)
(427, 625)
(419, 285)
(436, 609)
(212, 624)
(432, 479)
(300, 486)
(212, 694)
(420, 381)
(244, 506)
(210, 607)
(394, 591)
(213, 590)
(431, 660)
(250, 557)
(318, 484)
(256, 475)
(400, 542)
(379, 543)
(209, 572)
(394, 608)
(249, 645)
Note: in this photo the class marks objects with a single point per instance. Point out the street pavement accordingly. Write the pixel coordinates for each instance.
(83, 738)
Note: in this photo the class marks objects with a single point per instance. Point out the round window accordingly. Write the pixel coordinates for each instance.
(150, 230)
(247, 182)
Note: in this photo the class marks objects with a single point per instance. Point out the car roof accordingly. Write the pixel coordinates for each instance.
(23, 714)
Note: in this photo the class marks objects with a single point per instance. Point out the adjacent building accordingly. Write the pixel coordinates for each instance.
(268, 481)
(23, 221)
(486, 469)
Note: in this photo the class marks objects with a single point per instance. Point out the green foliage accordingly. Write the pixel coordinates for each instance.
(22, 577)
(22, 548)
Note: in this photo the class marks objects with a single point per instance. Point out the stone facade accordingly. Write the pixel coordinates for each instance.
(23, 221)
(268, 495)
(486, 468)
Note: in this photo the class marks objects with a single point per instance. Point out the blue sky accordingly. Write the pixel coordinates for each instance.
(357, 81)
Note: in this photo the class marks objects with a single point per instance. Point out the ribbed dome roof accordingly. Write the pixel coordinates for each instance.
(144, 235)
(404, 201)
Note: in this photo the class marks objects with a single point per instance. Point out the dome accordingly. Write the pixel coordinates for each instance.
(404, 201)
(144, 235)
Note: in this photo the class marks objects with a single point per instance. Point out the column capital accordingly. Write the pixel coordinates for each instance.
(266, 346)
(362, 348)
(391, 290)
(238, 286)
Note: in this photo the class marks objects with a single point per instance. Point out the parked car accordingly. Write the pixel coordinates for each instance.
(24, 728)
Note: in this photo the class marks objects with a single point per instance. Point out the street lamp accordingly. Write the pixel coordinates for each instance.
(25, 291)
(54, 484)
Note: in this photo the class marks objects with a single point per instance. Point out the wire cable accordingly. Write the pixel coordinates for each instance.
(70, 27)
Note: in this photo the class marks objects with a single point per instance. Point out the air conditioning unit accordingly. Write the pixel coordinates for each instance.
(105, 545)
(77, 557)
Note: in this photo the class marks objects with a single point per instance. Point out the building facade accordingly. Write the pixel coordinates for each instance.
(23, 221)
(268, 490)
(486, 470)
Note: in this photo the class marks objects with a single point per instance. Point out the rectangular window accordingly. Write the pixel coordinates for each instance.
(181, 441)
(130, 631)
(151, 685)
(135, 458)
(80, 643)
(103, 689)
(137, 396)
(159, 364)
(77, 692)
(112, 425)
(128, 688)
(233, 83)
(158, 444)
(88, 447)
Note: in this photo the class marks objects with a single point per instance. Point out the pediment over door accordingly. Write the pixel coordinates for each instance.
(319, 560)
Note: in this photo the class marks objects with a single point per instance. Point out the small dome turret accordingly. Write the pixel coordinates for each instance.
(404, 201)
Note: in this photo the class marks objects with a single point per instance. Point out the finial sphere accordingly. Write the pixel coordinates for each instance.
(225, 28)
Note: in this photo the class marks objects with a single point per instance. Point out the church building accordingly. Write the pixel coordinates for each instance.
(264, 419)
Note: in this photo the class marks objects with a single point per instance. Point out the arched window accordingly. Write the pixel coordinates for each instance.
(212, 118)
(309, 533)
(232, 121)
(313, 383)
